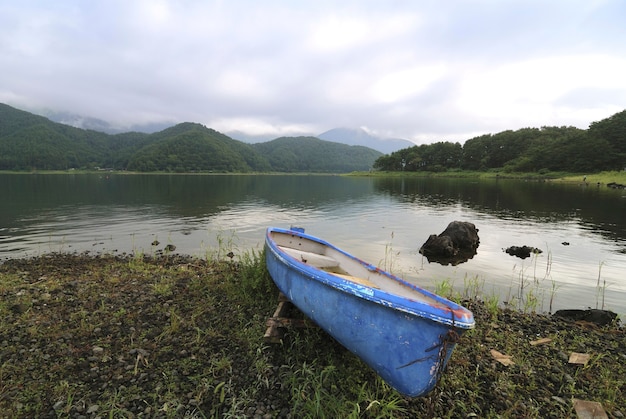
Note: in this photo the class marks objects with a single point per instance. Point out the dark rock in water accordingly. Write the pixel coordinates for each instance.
(522, 251)
(616, 185)
(438, 246)
(464, 235)
(456, 244)
(599, 317)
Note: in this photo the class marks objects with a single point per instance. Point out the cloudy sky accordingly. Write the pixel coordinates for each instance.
(420, 70)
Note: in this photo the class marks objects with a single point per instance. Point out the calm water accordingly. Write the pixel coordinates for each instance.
(382, 220)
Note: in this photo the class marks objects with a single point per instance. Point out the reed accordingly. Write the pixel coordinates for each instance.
(389, 261)
(601, 286)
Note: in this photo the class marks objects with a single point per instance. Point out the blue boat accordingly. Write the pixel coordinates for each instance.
(405, 333)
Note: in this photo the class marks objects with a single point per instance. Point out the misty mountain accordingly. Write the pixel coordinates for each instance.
(310, 154)
(339, 135)
(249, 138)
(32, 142)
(95, 124)
(362, 137)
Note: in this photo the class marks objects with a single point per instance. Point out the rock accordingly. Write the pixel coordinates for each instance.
(464, 235)
(438, 246)
(615, 185)
(599, 317)
(522, 251)
(456, 244)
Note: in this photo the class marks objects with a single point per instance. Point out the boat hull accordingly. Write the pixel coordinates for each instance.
(408, 350)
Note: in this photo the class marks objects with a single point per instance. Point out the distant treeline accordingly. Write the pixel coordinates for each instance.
(601, 147)
(30, 142)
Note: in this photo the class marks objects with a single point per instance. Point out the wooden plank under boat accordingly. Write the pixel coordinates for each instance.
(405, 333)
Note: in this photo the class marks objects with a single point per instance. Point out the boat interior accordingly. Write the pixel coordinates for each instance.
(339, 264)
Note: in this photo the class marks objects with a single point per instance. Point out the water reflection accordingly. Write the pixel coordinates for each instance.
(382, 220)
(598, 209)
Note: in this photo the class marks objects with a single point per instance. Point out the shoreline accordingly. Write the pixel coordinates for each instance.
(169, 336)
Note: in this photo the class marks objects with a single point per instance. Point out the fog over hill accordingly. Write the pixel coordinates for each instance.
(30, 142)
(361, 137)
(95, 124)
(347, 136)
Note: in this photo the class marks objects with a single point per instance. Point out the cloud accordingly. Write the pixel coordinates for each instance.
(425, 71)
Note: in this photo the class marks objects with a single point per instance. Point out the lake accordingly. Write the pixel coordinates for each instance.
(581, 228)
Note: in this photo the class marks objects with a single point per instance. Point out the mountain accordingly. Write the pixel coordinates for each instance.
(190, 147)
(310, 154)
(363, 138)
(339, 135)
(250, 138)
(32, 142)
(95, 124)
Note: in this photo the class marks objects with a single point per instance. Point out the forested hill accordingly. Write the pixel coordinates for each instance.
(601, 147)
(310, 154)
(31, 142)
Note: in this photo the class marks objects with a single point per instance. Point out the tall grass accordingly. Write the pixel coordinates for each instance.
(617, 176)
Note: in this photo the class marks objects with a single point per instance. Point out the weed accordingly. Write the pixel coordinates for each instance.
(473, 287)
(225, 245)
(255, 282)
(600, 287)
(531, 302)
(553, 289)
(163, 286)
(492, 304)
(388, 263)
(379, 401)
(445, 288)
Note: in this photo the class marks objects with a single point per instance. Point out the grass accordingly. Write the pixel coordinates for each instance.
(593, 178)
(176, 336)
(617, 176)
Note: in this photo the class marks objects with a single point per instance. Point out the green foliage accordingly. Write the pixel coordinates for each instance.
(602, 147)
(310, 154)
(613, 131)
(30, 142)
(435, 157)
(194, 148)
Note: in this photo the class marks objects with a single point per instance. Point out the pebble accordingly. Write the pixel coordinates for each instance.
(97, 349)
(139, 351)
(93, 409)
(563, 356)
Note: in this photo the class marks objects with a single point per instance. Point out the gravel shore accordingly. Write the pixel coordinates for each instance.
(86, 336)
